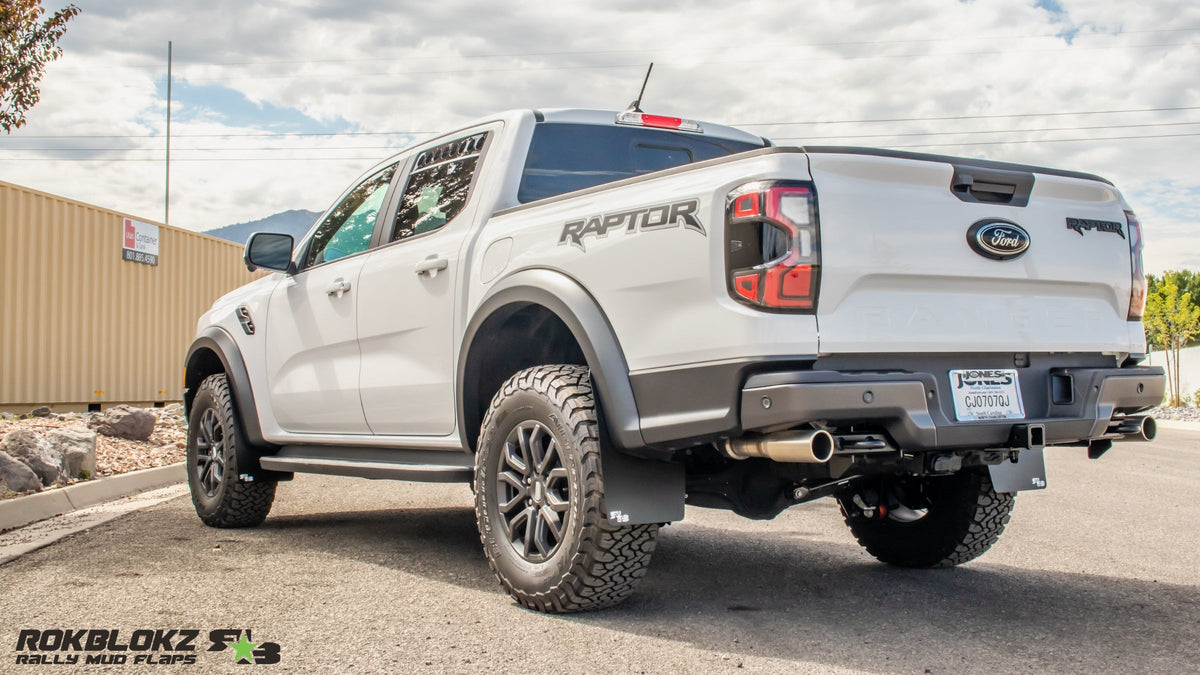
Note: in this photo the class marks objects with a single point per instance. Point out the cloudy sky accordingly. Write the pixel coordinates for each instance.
(280, 105)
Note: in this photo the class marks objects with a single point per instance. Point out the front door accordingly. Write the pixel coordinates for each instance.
(312, 332)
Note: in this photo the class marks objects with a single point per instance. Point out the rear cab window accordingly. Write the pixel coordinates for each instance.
(438, 186)
(565, 157)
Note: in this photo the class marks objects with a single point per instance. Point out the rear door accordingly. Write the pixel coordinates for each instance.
(908, 263)
(408, 301)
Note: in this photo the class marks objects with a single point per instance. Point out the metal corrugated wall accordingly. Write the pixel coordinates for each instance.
(78, 324)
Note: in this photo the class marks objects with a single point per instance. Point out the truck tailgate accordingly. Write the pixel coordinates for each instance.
(899, 275)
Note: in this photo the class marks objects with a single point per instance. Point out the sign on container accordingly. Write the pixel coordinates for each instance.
(140, 244)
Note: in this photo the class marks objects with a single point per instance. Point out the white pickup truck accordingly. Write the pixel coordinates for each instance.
(596, 317)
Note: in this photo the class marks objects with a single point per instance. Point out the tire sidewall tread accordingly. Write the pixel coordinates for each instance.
(235, 503)
(597, 564)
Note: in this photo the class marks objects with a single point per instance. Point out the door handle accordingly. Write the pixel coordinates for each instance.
(432, 265)
(338, 287)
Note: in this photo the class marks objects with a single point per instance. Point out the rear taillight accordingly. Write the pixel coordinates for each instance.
(772, 246)
(1137, 291)
(639, 119)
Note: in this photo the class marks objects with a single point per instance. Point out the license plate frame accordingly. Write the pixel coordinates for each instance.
(986, 394)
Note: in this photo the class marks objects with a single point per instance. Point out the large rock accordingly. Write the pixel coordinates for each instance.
(16, 477)
(35, 452)
(78, 448)
(41, 412)
(124, 421)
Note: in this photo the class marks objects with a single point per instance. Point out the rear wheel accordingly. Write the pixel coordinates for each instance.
(538, 489)
(935, 521)
(220, 497)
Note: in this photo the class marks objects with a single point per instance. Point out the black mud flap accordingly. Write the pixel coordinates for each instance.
(639, 491)
(1027, 473)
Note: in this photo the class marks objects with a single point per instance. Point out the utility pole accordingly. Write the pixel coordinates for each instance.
(167, 200)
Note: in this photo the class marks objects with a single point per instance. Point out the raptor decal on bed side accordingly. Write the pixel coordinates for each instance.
(659, 217)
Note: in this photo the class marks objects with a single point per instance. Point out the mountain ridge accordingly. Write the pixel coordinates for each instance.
(295, 222)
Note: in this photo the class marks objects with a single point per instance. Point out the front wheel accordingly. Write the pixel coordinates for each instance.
(538, 491)
(934, 521)
(220, 497)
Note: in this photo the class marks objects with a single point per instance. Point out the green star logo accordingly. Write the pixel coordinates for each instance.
(243, 649)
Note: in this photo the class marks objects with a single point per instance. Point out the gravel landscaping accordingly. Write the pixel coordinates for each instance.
(1179, 414)
(167, 442)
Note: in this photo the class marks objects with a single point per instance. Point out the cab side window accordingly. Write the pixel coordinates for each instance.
(348, 227)
(438, 186)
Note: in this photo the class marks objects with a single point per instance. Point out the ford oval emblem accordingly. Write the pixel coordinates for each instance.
(998, 239)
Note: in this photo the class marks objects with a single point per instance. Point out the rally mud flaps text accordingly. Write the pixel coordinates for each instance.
(103, 646)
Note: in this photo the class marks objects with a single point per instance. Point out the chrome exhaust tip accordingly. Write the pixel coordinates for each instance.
(1136, 429)
(1149, 429)
(814, 446)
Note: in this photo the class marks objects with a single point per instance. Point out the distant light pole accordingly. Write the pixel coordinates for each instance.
(167, 200)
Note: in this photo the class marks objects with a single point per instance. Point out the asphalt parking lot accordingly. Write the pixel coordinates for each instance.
(1099, 573)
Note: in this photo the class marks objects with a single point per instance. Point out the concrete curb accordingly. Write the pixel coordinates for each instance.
(25, 510)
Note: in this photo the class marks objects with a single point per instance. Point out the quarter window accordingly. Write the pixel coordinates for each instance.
(348, 227)
(438, 186)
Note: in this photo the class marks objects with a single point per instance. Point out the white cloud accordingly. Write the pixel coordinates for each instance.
(407, 66)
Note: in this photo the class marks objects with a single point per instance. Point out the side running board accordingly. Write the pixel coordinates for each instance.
(426, 466)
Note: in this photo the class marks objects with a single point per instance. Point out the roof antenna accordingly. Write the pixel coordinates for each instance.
(637, 103)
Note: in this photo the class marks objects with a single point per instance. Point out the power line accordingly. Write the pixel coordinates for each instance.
(776, 138)
(775, 60)
(377, 158)
(742, 124)
(278, 134)
(1054, 140)
(374, 158)
(993, 131)
(226, 149)
(224, 79)
(967, 117)
(790, 45)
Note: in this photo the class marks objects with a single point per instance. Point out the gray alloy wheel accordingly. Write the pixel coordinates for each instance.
(538, 491)
(221, 498)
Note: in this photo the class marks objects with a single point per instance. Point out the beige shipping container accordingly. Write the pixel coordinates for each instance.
(79, 325)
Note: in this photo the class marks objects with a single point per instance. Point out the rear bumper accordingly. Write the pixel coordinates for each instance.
(915, 410)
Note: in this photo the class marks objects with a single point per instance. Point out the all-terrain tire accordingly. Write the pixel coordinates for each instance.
(221, 498)
(548, 413)
(964, 517)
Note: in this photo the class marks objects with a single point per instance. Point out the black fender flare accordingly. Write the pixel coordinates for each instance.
(637, 489)
(582, 315)
(216, 340)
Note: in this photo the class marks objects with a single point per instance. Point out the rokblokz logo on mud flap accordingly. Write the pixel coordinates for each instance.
(104, 646)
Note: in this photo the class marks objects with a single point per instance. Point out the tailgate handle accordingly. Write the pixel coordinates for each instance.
(991, 186)
(967, 183)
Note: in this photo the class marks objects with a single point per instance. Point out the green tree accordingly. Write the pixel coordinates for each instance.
(1188, 281)
(1171, 320)
(27, 44)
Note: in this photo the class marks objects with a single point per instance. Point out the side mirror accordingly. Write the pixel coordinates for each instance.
(269, 251)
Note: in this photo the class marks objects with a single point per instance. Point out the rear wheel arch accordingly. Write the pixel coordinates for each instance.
(540, 317)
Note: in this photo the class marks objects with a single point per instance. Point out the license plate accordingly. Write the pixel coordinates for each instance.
(986, 395)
